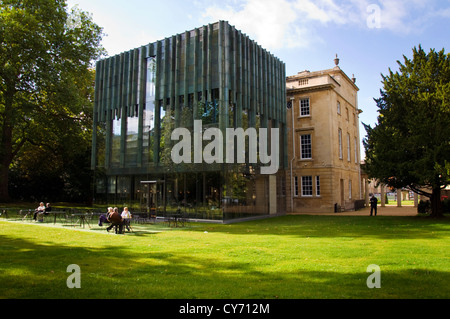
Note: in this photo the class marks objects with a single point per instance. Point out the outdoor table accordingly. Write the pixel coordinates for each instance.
(174, 219)
(81, 218)
(56, 213)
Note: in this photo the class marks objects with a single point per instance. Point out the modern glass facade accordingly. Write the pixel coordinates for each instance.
(214, 74)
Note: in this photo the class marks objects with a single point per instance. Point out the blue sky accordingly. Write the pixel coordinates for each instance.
(369, 36)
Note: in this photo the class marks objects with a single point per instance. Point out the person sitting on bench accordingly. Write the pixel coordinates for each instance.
(116, 220)
(48, 209)
(39, 210)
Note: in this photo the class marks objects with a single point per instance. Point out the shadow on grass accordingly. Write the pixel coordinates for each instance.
(38, 270)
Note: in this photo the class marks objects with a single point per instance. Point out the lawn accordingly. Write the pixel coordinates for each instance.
(286, 257)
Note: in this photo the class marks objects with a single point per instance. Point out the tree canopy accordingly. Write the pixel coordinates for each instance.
(46, 85)
(410, 145)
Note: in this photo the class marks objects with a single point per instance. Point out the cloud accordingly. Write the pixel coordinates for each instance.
(268, 21)
(405, 17)
(323, 11)
(279, 24)
(285, 23)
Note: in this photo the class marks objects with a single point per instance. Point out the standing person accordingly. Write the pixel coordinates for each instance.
(373, 205)
(126, 216)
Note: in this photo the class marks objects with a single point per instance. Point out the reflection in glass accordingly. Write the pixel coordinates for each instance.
(132, 141)
(149, 113)
(115, 143)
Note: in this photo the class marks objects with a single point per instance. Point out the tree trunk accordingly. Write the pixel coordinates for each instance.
(436, 204)
(4, 178)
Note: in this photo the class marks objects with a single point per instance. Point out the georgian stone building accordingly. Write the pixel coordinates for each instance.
(324, 145)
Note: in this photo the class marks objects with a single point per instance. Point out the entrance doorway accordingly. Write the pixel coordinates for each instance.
(152, 199)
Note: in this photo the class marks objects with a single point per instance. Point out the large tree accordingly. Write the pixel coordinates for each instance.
(46, 53)
(410, 145)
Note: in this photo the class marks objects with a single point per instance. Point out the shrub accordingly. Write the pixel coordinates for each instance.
(446, 206)
(424, 207)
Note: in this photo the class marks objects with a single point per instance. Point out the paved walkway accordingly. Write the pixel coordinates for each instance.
(382, 211)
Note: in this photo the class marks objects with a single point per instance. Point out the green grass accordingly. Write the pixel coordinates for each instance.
(286, 257)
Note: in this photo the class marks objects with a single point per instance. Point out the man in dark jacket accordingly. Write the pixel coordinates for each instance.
(373, 205)
(116, 220)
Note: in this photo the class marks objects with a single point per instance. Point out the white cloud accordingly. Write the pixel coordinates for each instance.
(324, 11)
(292, 23)
(268, 21)
(409, 16)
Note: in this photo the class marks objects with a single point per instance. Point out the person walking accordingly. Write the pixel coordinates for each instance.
(373, 205)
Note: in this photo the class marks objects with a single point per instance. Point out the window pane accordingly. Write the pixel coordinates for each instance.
(149, 113)
(307, 187)
(304, 107)
(115, 142)
(348, 148)
(132, 141)
(306, 147)
(317, 185)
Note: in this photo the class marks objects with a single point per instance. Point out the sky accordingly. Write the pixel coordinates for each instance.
(369, 36)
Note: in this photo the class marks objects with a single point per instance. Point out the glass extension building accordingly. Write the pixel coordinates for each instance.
(214, 74)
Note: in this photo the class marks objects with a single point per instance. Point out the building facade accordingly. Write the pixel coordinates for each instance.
(324, 144)
(213, 75)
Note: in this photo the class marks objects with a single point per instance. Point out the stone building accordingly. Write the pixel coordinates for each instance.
(324, 145)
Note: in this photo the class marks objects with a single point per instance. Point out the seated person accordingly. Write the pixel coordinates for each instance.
(39, 210)
(48, 209)
(116, 220)
(104, 218)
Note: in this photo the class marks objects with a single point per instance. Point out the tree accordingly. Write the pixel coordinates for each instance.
(58, 167)
(410, 145)
(45, 76)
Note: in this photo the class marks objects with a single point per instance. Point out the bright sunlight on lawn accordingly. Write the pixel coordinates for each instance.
(283, 257)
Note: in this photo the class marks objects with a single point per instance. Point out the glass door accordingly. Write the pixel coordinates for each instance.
(152, 197)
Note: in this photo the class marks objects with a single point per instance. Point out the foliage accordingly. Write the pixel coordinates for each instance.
(410, 144)
(166, 143)
(424, 207)
(46, 90)
(446, 206)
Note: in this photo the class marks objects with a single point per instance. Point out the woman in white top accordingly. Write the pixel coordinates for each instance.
(126, 215)
(39, 210)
